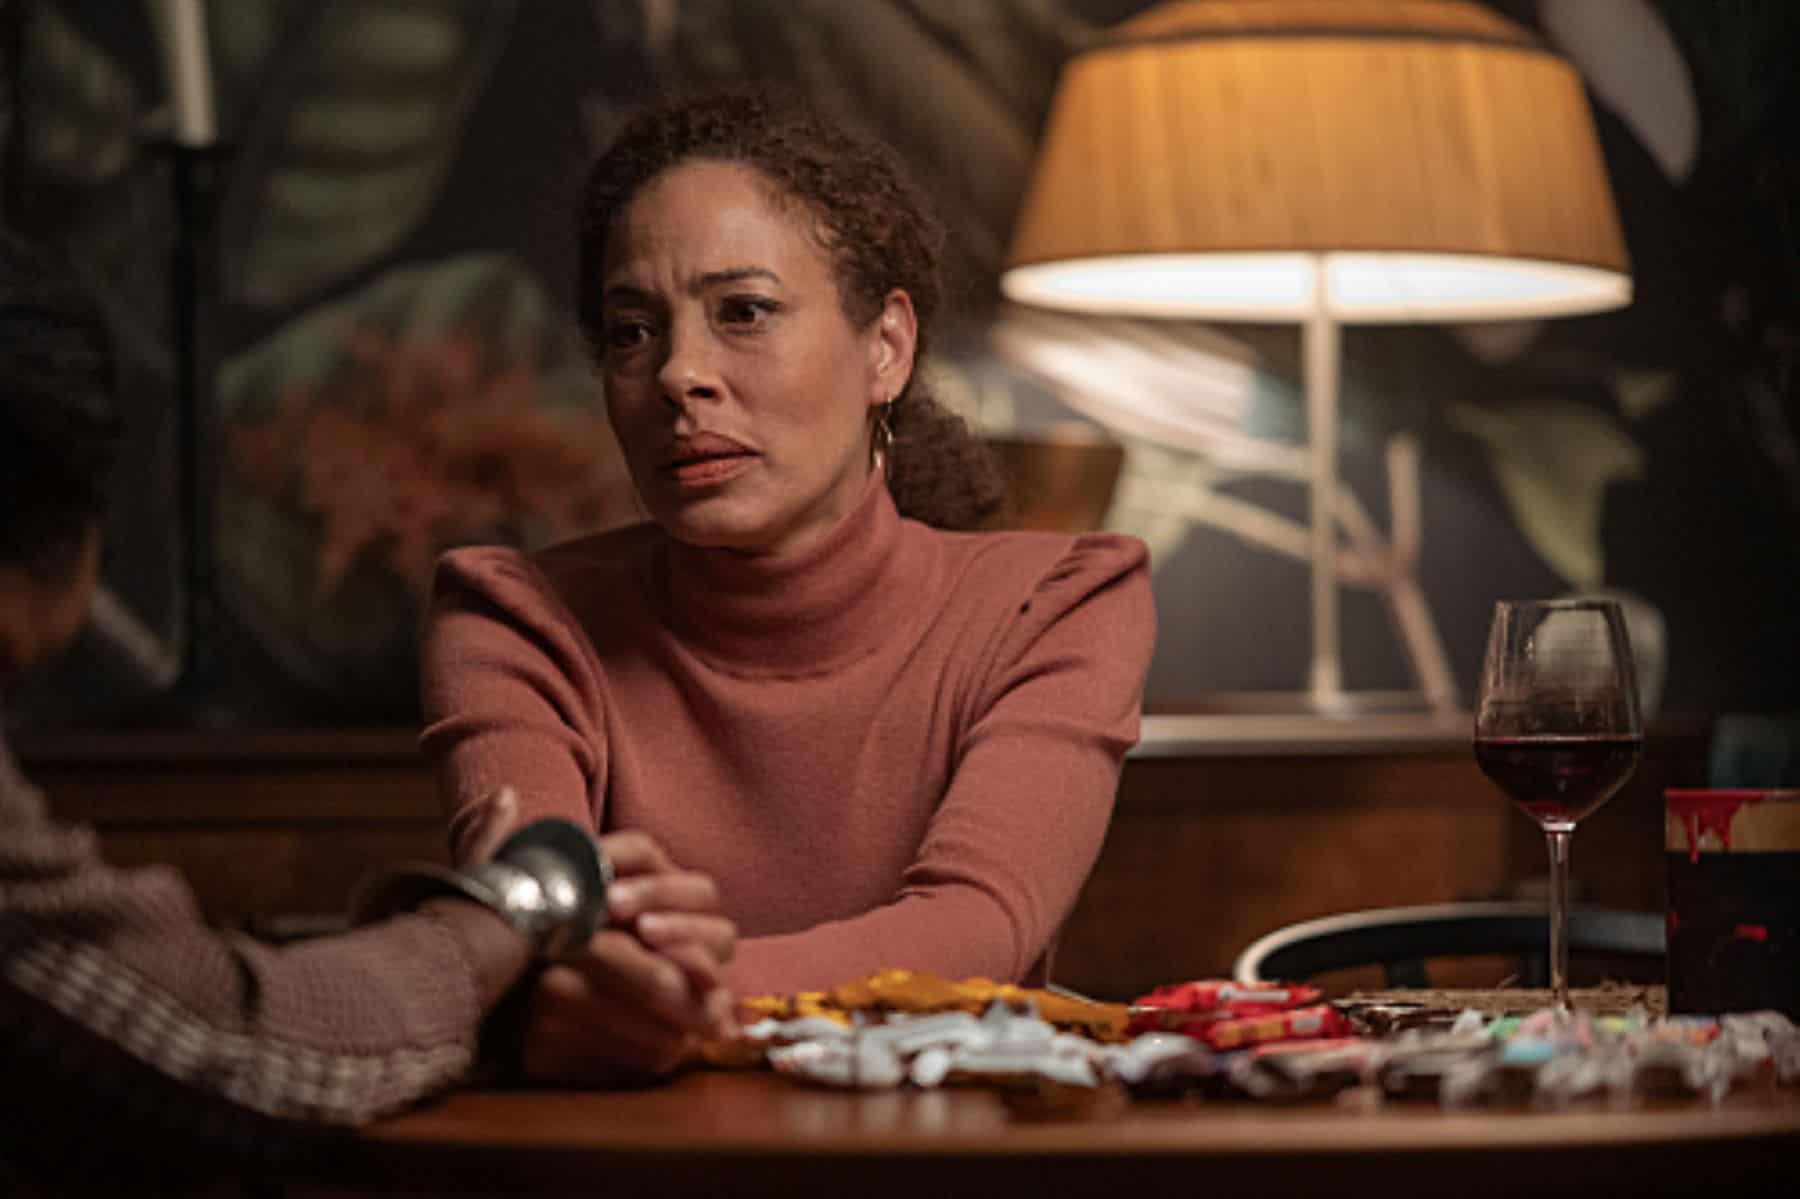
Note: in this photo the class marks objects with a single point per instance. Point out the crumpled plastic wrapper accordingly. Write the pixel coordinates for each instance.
(1002, 1046)
(1166, 1065)
(1305, 1070)
(1267, 1044)
(1555, 1061)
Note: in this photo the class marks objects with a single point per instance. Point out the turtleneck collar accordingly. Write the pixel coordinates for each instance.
(800, 614)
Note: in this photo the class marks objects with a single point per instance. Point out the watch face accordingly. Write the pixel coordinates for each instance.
(548, 881)
(571, 876)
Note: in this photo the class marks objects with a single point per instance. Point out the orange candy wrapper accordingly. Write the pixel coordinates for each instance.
(916, 992)
(1307, 1023)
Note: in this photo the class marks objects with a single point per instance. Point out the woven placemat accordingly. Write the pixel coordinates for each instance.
(1378, 1012)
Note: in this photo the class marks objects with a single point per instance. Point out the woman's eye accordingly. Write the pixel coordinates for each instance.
(746, 310)
(623, 334)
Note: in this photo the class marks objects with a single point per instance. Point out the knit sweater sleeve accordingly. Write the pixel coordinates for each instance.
(111, 981)
(1020, 824)
(509, 691)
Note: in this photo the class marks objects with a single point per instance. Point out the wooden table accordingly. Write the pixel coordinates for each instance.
(757, 1133)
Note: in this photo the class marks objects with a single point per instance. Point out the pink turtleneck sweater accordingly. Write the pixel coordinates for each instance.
(898, 748)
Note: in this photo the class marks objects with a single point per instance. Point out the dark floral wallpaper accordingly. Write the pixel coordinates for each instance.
(397, 370)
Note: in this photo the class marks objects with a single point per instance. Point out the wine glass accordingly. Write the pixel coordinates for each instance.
(1557, 728)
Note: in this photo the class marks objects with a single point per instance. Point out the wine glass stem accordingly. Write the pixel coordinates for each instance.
(1558, 840)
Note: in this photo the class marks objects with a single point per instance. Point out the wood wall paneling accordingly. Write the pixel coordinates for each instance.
(1207, 850)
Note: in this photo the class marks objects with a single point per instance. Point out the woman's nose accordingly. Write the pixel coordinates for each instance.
(687, 371)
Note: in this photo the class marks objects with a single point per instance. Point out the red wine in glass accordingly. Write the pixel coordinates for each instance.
(1557, 728)
(1558, 780)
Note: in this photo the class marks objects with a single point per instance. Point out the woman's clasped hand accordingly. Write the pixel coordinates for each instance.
(650, 986)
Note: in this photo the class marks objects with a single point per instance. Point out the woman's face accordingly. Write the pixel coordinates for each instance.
(737, 387)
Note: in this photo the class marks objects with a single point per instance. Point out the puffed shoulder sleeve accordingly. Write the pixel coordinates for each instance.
(510, 693)
(1033, 788)
(1076, 657)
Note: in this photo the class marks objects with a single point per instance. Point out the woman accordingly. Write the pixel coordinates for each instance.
(127, 1025)
(889, 742)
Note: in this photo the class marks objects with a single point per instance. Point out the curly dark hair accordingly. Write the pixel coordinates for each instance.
(872, 221)
(59, 422)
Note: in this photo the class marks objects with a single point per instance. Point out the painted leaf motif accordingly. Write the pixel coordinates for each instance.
(1627, 56)
(1554, 460)
(83, 109)
(246, 36)
(1498, 342)
(1015, 47)
(357, 131)
(1643, 393)
(877, 64)
(1180, 384)
(1153, 471)
(441, 405)
(1744, 54)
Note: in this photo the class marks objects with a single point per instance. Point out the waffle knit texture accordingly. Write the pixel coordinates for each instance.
(115, 970)
(898, 748)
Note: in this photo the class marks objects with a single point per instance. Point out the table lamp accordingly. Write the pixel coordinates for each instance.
(1320, 162)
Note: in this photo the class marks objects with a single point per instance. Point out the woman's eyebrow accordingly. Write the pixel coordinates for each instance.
(627, 293)
(735, 274)
(617, 293)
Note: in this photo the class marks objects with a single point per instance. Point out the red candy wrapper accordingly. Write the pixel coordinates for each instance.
(1294, 1070)
(1178, 1007)
(1308, 1023)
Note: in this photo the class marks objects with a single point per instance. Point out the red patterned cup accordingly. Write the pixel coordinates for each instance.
(1734, 900)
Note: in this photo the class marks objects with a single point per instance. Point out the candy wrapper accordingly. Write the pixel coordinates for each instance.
(1309, 1023)
(915, 992)
(845, 1063)
(1550, 1060)
(1764, 1038)
(1166, 1065)
(1667, 1069)
(1180, 1006)
(1606, 1071)
(751, 1046)
(1049, 1054)
(1003, 1048)
(1038, 1072)
(1305, 1070)
(1451, 1067)
(1231, 1015)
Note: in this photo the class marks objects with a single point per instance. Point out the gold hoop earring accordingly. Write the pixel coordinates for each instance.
(881, 439)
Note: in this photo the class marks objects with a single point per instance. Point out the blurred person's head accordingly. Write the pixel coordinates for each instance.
(58, 438)
(759, 285)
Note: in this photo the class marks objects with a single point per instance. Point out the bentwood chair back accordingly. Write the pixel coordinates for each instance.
(1401, 940)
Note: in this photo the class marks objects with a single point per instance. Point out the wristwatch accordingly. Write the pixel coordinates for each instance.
(548, 881)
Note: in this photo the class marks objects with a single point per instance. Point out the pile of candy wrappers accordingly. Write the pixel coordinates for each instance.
(1214, 1039)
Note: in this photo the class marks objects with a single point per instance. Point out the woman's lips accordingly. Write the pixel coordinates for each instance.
(706, 472)
(705, 460)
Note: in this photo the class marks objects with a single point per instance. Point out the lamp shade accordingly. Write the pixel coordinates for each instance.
(1390, 160)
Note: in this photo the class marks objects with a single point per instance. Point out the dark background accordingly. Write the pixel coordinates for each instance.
(398, 371)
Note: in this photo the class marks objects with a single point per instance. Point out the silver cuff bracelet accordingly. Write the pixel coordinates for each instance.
(548, 881)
